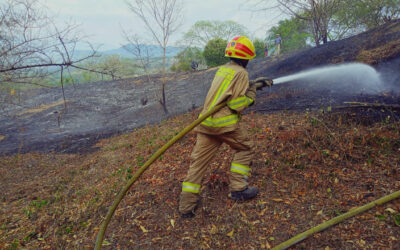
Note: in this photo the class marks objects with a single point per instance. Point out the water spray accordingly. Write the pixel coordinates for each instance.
(359, 75)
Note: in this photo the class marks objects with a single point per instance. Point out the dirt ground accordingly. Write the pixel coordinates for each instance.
(309, 167)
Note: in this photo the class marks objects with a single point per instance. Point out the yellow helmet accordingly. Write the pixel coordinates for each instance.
(240, 47)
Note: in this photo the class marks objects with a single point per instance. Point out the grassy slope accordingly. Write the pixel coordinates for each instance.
(308, 167)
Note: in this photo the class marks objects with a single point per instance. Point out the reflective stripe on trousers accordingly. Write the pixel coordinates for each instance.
(191, 187)
(240, 169)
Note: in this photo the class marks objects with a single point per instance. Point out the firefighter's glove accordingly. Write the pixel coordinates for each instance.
(261, 82)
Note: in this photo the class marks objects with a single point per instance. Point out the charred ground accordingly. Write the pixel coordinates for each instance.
(99, 110)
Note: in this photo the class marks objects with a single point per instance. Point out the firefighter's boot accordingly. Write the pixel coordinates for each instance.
(244, 195)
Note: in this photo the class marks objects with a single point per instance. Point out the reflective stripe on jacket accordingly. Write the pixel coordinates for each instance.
(231, 83)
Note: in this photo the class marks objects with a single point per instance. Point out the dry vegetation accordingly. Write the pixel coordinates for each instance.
(309, 168)
(376, 55)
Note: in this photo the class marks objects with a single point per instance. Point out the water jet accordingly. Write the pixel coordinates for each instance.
(358, 76)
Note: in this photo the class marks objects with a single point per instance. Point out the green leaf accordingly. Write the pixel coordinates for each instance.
(397, 219)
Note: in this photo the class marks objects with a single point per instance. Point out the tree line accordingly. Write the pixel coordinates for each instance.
(308, 23)
(36, 51)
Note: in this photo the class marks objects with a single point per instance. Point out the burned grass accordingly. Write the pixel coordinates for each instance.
(309, 167)
(376, 55)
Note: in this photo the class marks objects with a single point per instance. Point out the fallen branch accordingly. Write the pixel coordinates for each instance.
(336, 220)
(369, 105)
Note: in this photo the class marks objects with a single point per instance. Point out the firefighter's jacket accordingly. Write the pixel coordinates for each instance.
(231, 84)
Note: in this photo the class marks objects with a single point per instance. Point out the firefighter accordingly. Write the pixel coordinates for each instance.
(231, 84)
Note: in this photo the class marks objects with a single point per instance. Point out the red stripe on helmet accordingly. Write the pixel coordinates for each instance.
(244, 48)
(240, 54)
(236, 38)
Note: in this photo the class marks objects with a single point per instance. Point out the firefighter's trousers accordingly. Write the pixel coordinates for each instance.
(203, 152)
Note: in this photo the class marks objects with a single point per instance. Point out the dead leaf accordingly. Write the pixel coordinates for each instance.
(156, 239)
(144, 229)
(172, 222)
(262, 212)
(277, 199)
(230, 234)
(214, 229)
(390, 210)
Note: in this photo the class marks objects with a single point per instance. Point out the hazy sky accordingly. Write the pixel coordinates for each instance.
(101, 20)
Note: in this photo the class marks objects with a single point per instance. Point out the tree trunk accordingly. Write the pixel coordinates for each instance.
(163, 101)
(325, 38)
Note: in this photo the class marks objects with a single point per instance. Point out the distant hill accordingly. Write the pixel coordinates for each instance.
(153, 50)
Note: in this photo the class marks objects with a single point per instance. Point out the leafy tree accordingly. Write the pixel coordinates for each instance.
(185, 58)
(366, 14)
(117, 66)
(335, 19)
(293, 32)
(214, 52)
(317, 13)
(108, 67)
(203, 31)
(260, 47)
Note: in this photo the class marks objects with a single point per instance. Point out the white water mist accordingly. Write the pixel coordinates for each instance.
(355, 75)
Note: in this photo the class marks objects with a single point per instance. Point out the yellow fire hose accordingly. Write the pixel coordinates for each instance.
(121, 194)
(336, 220)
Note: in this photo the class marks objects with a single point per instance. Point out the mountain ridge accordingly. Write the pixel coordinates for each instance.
(155, 51)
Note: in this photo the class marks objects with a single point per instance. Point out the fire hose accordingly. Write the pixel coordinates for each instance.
(353, 212)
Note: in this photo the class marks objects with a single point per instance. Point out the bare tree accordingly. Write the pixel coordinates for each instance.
(141, 53)
(317, 12)
(32, 47)
(161, 18)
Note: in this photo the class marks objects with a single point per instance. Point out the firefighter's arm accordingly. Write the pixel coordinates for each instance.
(242, 95)
(261, 82)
